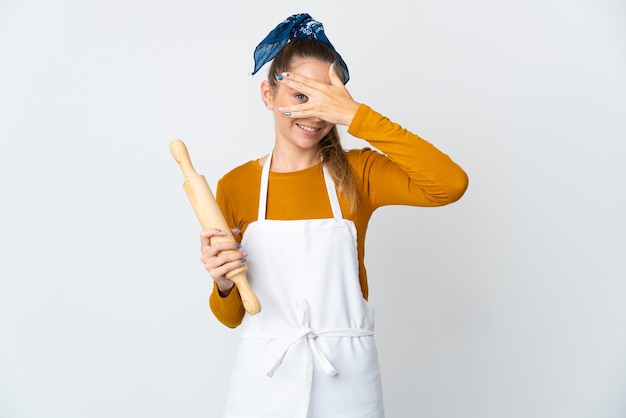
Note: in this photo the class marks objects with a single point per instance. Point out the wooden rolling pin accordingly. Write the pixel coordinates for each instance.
(210, 216)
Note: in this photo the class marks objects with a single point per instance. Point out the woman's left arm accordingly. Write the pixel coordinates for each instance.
(412, 171)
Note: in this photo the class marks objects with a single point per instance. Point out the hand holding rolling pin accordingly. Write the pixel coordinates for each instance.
(221, 257)
(220, 252)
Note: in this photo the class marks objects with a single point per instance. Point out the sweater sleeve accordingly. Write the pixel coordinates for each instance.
(228, 310)
(411, 172)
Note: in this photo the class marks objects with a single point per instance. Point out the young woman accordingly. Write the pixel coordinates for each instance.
(303, 211)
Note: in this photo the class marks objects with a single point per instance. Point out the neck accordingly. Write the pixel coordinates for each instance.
(294, 159)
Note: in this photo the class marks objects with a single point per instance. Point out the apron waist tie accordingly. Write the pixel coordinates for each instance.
(309, 337)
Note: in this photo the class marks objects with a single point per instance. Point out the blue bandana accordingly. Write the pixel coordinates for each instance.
(295, 26)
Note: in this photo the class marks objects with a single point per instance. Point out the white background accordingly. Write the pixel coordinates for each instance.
(508, 303)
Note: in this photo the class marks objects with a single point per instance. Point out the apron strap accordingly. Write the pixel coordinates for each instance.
(330, 188)
(332, 195)
(265, 176)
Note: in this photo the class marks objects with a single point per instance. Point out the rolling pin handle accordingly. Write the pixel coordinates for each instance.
(181, 155)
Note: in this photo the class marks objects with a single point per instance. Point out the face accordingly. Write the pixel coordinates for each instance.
(304, 133)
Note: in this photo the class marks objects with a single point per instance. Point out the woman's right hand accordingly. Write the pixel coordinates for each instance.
(220, 257)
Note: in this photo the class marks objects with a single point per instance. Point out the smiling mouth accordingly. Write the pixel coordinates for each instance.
(308, 128)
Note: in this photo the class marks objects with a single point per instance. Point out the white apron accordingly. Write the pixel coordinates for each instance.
(310, 352)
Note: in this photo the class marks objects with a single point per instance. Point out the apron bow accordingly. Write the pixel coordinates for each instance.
(310, 338)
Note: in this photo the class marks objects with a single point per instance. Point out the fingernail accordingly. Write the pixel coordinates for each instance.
(219, 231)
(335, 64)
(238, 246)
(278, 77)
(287, 113)
(285, 75)
(243, 260)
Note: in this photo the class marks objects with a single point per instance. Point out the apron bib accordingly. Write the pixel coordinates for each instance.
(310, 352)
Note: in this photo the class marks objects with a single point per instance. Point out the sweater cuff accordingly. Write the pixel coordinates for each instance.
(360, 117)
(226, 300)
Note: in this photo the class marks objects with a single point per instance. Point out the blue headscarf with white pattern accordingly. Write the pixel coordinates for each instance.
(295, 26)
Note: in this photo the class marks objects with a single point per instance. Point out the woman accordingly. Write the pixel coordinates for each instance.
(303, 211)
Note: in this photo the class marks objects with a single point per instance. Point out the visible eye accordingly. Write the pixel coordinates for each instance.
(301, 97)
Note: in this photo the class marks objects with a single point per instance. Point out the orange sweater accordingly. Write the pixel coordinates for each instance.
(410, 172)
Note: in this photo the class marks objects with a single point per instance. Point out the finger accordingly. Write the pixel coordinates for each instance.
(209, 251)
(225, 268)
(335, 80)
(216, 251)
(300, 83)
(297, 111)
(226, 257)
(214, 264)
(206, 234)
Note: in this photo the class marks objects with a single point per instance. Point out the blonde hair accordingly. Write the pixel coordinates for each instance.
(332, 154)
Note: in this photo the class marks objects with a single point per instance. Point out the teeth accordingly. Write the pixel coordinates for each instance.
(307, 128)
